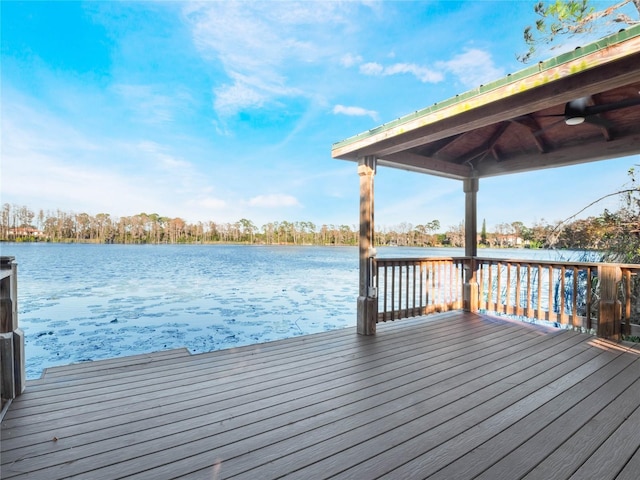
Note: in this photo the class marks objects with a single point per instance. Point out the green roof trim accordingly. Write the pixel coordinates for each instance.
(575, 54)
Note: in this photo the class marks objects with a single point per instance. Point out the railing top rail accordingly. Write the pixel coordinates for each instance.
(631, 266)
(628, 266)
(420, 259)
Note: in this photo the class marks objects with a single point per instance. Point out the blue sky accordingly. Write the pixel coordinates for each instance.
(227, 110)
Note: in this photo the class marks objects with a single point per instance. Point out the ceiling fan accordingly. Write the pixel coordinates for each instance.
(579, 111)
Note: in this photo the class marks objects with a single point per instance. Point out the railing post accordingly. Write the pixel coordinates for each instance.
(12, 360)
(610, 311)
(367, 298)
(470, 291)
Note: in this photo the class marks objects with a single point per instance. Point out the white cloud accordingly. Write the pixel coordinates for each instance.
(58, 166)
(355, 111)
(211, 203)
(424, 74)
(263, 46)
(159, 156)
(273, 201)
(473, 67)
(233, 98)
(349, 60)
(249, 92)
(371, 68)
(149, 104)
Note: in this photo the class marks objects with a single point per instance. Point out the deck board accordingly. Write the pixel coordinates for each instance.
(454, 395)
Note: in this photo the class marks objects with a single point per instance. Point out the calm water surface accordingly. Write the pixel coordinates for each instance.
(86, 302)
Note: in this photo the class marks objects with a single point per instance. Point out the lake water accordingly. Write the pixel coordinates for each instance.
(81, 302)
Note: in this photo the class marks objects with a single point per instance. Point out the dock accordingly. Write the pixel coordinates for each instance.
(455, 395)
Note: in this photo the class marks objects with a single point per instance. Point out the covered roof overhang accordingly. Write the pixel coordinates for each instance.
(521, 122)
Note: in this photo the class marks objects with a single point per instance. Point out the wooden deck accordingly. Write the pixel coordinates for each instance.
(451, 396)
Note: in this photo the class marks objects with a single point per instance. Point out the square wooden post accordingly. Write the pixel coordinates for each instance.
(470, 290)
(610, 308)
(367, 297)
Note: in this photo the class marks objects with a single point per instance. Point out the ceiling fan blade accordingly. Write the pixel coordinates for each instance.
(580, 109)
(599, 121)
(609, 107)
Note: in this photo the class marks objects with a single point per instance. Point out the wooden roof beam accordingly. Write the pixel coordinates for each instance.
(429, 165)
(488, 147)
(574, 155)
(532, 125)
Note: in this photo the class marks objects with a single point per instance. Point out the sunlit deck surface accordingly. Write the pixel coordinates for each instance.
(451, 396)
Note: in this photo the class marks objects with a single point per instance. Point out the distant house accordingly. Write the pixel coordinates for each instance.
(27, 231)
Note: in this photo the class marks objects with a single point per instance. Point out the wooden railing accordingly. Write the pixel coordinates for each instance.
(589, 296)
(12, 362)
(564, 293)
(409, 287)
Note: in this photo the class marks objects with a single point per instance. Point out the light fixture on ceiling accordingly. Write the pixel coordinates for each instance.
(574, 120)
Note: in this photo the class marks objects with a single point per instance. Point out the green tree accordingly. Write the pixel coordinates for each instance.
(248, 230)
(483, 232)
(622, 239)
(574, 17)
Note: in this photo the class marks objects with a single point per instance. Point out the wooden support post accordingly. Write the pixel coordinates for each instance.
(610, 311)
(470, 290)
(12, 362)
(7, 377)
(367, 297)
(19, 361)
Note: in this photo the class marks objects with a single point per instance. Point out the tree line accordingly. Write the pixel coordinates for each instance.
(610, 231)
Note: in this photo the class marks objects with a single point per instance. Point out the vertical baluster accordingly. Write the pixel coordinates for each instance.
(407, 287)
(377, 272)
(480, 274)
(400, 286)
(539, 314)
(563, 317)
(458, 272)
(386, 292)
(626, 327)
(574, 306)
(459, 282)
(499, 304)
(550, 280)
(529, 292)
(441, 284)
(490, 286)
(518, 286)
(420, 305)
(508, 308)
(393, 289)
(589, 298)
(448, 267)
(432, 289)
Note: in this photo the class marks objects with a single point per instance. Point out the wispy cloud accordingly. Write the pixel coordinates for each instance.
(349, 60)
(422, 73)
(211, 203)
(355, 112)
(274, 201)
(160, 156)
(371, 68)
(259, 44)
(473, 67)
(149, 104)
